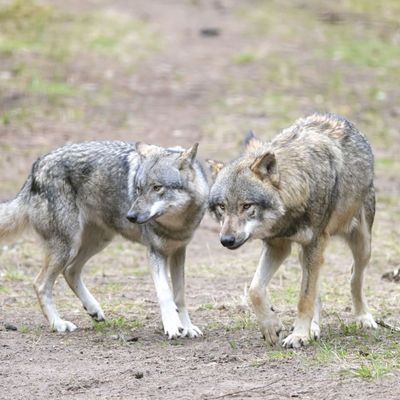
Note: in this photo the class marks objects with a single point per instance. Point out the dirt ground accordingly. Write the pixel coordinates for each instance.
(202, 71)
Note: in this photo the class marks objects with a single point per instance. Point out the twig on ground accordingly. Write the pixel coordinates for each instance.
(385, 325)
(244, 390)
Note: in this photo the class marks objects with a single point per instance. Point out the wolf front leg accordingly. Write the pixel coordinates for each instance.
(312, 259)
(274, 253)
(177, 271)
(173, 327)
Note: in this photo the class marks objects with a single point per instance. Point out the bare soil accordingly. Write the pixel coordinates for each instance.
(169, 99)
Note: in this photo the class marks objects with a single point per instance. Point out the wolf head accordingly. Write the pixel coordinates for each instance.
(245, 195)
(164, 183)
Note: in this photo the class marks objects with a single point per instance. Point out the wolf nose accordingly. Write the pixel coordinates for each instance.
(132, 216)
(228, 240)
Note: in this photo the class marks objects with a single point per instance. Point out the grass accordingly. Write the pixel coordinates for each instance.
(245, 57)
(39, 44)
(12, 275)
(244, 320)
(328, 66)
(28, 25)
(116, 324)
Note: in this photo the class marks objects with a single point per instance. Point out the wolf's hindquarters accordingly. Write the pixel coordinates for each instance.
(13, 218)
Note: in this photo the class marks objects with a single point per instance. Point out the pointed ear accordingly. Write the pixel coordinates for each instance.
(251, 143)
(215, 167)
(265, 167)
(188, 156)
(144, 149)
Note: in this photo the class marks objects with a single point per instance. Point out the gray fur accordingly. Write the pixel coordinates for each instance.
(314, 180)
(78, 197)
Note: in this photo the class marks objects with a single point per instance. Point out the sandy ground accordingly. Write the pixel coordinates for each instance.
(168, 99)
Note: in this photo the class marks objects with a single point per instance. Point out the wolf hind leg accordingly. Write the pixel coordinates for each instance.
(57, 258)
(177, 272)
(93, 241)
(359, 241)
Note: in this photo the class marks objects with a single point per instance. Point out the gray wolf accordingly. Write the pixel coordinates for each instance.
(78, 197)
(313, 181)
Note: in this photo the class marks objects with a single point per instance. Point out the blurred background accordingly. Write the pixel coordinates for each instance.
(174, 72)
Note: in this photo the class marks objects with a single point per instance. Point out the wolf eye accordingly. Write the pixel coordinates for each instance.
(157, 188)
(246, 206)
(221, 207)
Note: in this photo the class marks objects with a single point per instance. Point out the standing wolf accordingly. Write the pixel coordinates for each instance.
(314, 180)
(77, 198)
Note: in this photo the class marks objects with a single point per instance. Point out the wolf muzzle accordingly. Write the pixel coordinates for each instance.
(137, 218)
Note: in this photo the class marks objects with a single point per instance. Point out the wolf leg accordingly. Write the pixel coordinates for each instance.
(359, 241)
(177, 271)
(274, 253)
(312, 260)
(315, 329)
(169, 312)
(55, 261)
(93, 240)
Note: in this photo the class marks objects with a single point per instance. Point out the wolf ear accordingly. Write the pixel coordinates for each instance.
(251, 143)
(188, 156)
(265, 167)
(215, 167)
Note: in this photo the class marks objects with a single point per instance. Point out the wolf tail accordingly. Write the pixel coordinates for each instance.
(13, 217)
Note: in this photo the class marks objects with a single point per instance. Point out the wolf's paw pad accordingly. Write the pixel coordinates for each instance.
(366, 321)
(63, 326)
(271, 331)
(315, 331)
(191, 331)
(295, 341)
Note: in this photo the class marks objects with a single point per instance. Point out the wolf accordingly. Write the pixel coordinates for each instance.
(313, 181)
(80, 196)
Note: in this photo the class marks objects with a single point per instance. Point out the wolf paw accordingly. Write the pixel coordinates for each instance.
(173, 332)
(271, 331)
(98, 315)
(366, 321)
(295, 341)
(173, 327)
(63, 326)
(191, 331)
(315, 331)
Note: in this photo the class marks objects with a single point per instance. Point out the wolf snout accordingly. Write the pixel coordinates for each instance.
(138, 218)
(132, 216)
(228, 240)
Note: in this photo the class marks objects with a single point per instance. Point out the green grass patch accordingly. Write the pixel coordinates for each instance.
(245, 57)
(242, 321)
(281, 354)
(327, 353)
(40, 45)
(208, 306)
(372, 370)
(367, 50)
(51, 88)
(4, 289)
(13, 275)
(29, 25)
(387, 8)
(116, 324)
